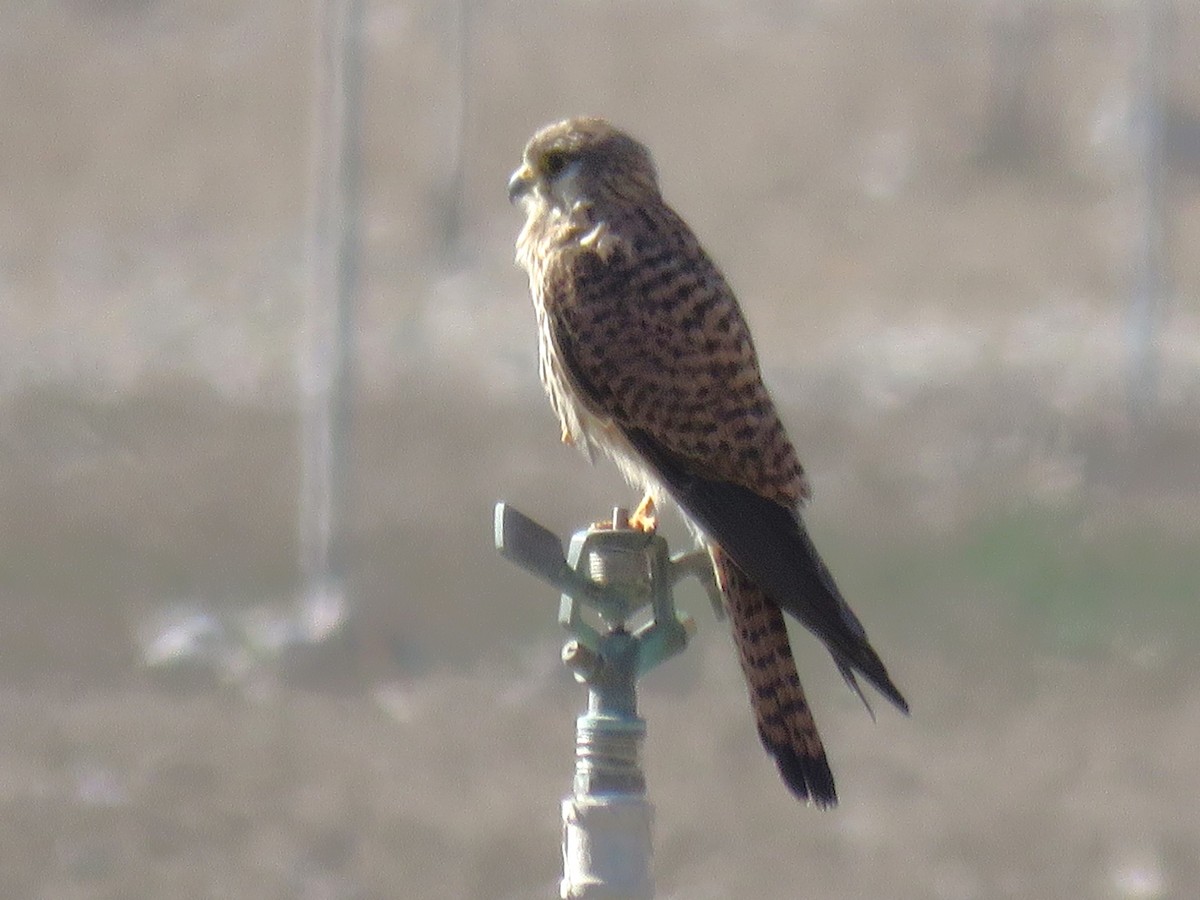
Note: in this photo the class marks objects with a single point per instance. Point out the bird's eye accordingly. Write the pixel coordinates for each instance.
(554, 162)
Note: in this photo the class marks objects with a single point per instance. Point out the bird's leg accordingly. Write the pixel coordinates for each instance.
(645, 517)
(567, 437)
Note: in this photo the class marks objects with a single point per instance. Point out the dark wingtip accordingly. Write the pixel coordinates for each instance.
(893, 694)
(808, 777)
(868, 663)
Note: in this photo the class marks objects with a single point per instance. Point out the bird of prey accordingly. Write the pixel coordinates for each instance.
(646, 358)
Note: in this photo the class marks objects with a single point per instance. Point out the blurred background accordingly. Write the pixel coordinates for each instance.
(255, 640)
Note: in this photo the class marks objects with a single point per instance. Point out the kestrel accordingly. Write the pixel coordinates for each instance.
(646, 358)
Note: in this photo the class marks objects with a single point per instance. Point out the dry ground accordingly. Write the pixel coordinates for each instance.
(943, 325)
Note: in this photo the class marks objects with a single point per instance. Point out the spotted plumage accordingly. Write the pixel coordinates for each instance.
(646, 358)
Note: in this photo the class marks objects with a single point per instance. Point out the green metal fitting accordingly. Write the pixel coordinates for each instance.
(616, 572)
(618, 605)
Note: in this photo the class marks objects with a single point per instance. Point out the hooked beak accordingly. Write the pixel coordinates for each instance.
(520, 184)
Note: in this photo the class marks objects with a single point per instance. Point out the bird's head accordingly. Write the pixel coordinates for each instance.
(582, 160)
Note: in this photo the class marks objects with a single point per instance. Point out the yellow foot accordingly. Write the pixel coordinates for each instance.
(645, 517)
(567, 437)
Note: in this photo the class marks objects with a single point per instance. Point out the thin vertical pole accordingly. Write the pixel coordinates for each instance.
(326, 371)
(1151, 281)
(454, 197)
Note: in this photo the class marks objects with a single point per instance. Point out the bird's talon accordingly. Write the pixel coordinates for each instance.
(645, 517)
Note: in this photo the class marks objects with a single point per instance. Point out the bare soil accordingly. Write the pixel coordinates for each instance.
(943, 316)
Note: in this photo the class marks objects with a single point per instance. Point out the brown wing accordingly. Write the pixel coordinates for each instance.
(653, 339)
(657, 342)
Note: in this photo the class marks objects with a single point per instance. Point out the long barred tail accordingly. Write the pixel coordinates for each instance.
(785, 723)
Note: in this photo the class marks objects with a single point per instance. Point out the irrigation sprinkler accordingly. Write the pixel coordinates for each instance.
(618, 607)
